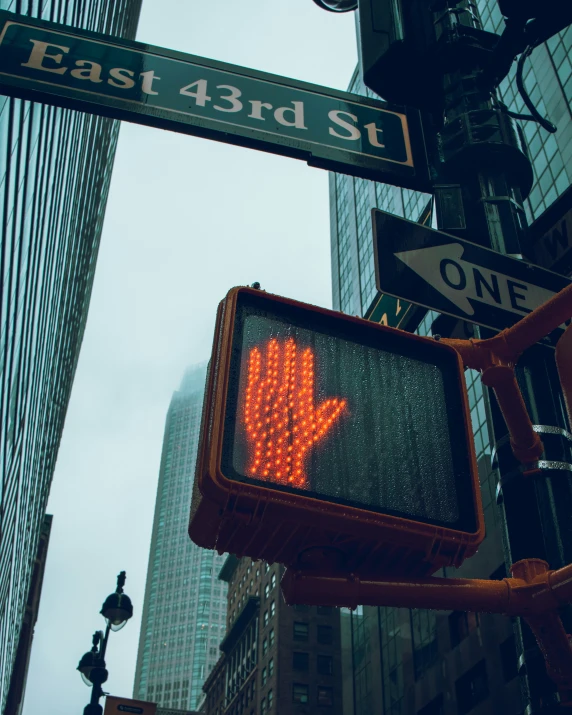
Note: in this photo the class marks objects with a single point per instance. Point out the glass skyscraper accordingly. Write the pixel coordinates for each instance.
(55, 169)
(184, 612)
(397, 661)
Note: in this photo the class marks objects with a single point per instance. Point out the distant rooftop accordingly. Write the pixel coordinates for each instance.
(228, 568)
(194, 379)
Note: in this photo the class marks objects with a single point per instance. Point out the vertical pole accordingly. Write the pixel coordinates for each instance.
(482, 175)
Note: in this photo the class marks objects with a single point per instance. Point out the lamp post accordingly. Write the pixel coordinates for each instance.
(117, 609)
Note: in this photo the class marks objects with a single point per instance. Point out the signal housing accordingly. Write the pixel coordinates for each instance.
(323, 523)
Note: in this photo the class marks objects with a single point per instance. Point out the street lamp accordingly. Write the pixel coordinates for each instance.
(337, 5)
(117, 609)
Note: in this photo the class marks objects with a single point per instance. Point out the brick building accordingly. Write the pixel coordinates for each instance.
(275, 658)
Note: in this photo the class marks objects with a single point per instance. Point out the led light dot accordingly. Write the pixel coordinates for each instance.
(279, 393)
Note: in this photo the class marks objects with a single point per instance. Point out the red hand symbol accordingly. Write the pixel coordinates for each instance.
(281, 421)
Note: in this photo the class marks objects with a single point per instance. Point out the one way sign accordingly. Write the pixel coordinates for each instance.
(450, 275)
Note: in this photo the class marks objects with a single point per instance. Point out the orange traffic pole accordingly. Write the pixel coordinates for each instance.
(495, 358)
(511, 342)
(533, 589)
(498, 372)
(437, 593)
(525, 443)
(564, 364)
(533, 593)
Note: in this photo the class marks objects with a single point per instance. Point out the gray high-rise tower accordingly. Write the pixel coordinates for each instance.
(185, 604)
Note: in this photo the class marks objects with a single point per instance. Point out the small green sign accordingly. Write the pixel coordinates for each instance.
(390, 311)
(150, 85)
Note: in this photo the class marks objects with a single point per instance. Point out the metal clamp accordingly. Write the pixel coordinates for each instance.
(539, 429)
(549, 429)
(532, 470)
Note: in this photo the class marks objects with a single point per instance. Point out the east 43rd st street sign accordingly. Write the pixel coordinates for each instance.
(150, 85)
(453, 276)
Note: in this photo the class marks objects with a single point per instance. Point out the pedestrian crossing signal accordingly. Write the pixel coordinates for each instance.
(334, 443)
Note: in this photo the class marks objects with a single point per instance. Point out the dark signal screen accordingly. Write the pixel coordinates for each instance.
(356, 416)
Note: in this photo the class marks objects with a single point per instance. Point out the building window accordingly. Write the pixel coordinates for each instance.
(472, 688)
(325, 696)
(299, 693)
(271, 667)
(263, 678)
(270, 698)
(461, 624)
(424, 640)
(300, 632)
(271, 638)
(325, 634)
(266, 591)
(325, 610)
(262, 706)
(300, 661)
(266, 619)
(272, 608)
(509, 659)
(272, 581)
(265, 646)
(325, 664)
(435, 707)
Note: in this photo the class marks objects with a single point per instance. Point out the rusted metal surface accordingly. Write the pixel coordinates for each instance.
(533, 593)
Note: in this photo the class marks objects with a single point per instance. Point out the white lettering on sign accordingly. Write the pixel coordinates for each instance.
(257, 107)
(373, 132)
(40, 53)
(43, 58)
(92, 71)
(444, 268)
(226, 98)
(121, 78)
(147, 84)
(353, 132)
(231, 97)
(198, 90)
(297, 113)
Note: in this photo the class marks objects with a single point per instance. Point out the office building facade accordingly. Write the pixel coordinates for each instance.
(55, 169)
(276, 659)
(184, 609)
(397, 661)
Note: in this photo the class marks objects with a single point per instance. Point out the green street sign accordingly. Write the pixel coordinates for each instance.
(393, 312)
(117, 78)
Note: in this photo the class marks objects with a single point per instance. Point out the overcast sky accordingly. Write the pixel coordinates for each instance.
(186, 220)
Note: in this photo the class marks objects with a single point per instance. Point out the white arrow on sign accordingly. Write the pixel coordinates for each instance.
(458, 280)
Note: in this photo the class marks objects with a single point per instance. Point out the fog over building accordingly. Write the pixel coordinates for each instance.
(184, 610)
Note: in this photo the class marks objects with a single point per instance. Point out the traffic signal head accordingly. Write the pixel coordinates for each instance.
(332, 443)
(395, 37)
